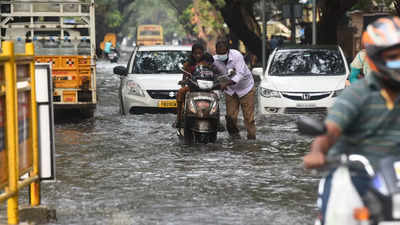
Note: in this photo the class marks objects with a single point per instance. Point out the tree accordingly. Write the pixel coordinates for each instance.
(239, 16)
(110, 17)
(332, 11)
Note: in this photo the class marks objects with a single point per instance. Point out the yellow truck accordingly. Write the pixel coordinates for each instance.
(63, 33)
(150, 34)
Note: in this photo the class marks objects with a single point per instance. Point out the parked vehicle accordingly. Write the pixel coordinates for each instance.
(63, 34)
(149, 83)
(379, 206)
(113, 56)
(150, 34)
(301, 79)
(201, 112)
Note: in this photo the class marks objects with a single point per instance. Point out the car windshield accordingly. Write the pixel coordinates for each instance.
(307, 62)
(159, 61)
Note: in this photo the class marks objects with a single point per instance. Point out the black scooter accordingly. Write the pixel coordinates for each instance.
(201, 111)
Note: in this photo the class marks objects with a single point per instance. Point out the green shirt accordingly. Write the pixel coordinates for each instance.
(369, 121)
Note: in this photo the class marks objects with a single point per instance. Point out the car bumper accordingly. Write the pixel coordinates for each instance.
(139, 104)
(287, 106)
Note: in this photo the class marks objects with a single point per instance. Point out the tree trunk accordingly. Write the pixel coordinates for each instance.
(238, 15)
(332, 12)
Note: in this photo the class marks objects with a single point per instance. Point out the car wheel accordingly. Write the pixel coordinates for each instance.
(87, 113)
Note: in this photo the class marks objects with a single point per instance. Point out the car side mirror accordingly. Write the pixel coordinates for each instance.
(309, 126)
(121, 70)
(257, 71)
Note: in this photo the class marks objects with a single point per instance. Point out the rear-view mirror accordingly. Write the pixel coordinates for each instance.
(121, 70)
(257, 71)
(310, 126)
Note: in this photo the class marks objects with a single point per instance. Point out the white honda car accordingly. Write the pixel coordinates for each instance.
(301, 79)
(149, 83)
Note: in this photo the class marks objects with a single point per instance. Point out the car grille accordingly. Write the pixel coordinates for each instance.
(162, 94)
(306, 96)
(293, 110)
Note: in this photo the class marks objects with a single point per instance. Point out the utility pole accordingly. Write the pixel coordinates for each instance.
(263, 36)
(292, 22)
(314, 22)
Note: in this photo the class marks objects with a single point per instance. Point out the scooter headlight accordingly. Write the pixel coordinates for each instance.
(203, 104)
(134, 89)
(269, 93)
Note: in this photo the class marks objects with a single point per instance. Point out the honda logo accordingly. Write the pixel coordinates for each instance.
(306, 96)
(171, 94)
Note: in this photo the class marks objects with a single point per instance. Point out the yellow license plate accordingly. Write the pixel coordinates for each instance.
(167, 104)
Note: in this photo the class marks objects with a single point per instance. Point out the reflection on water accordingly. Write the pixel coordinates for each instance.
(132, 170)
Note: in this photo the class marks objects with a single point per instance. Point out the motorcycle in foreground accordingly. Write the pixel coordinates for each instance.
(201, 111)
(379, 206)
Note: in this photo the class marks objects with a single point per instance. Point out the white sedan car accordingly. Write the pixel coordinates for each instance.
(301, 79)
(149, 83)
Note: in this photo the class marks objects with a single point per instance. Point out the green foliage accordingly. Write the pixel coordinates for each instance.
(220, 3)
(123, 16)
(114, 19)
(186, 20)
(158, 12)
(210, 18)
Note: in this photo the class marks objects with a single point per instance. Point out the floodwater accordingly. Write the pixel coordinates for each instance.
(132, 170)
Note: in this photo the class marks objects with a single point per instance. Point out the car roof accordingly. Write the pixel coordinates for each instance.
(165, 48)
(293, 46)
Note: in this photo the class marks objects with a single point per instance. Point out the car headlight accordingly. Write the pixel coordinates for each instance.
(269, 93)
(337, 93)
(134, 89)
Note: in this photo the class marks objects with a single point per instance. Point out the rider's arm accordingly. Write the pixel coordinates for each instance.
(320, 146)
(344, 111)
(186, 67)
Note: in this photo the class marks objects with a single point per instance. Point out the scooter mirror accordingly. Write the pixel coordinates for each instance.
(309, 126)
(180, 65)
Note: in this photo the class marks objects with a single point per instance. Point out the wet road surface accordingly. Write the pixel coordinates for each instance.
(115, 169)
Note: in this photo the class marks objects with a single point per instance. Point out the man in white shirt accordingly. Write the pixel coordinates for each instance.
(239, 91)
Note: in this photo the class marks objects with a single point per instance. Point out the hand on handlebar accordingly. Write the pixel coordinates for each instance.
(223, 86)
(231, 72)
(314, 160)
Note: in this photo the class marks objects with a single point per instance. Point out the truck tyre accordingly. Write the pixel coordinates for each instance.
(87, 113)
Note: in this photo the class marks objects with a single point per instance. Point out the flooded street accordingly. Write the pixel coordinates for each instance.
(132, 170)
